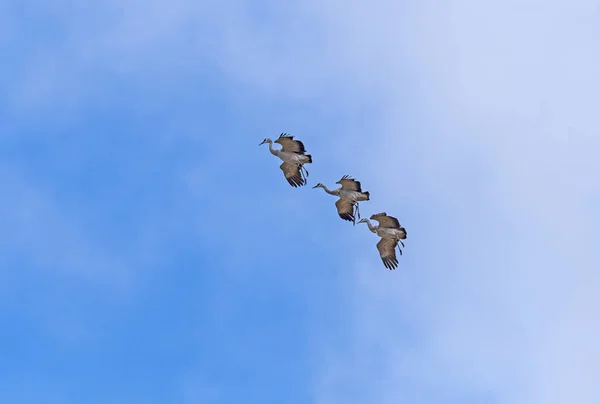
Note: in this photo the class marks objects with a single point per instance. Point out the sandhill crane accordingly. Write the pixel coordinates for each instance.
(350, 193)
(391, 233)
(292, 153)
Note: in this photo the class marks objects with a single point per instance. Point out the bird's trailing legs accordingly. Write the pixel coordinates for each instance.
(399, 249)
(356, 210)
(303, 172)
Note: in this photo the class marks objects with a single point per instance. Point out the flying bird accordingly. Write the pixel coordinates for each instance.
(350, 194)
(292, 153)
(391, 233)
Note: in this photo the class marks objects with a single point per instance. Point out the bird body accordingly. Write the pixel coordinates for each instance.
(293, 156)
(289, 157)
(391, 233)
(355, 196)
(383, 232)
(350, 193)
(386, 232)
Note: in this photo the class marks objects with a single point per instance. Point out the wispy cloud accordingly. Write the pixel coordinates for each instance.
(33, 221)
(473, 123)
(502, 261)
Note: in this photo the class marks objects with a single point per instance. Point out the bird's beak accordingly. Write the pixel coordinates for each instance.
(261, 143)
(315, 186)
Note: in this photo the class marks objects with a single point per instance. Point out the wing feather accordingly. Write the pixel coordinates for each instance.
(350, 184)
(345, 209)
(291, 172)
(387, 252)
(288, 144)
(386, 221)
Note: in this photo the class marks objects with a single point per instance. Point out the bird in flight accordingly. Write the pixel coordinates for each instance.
(391, 233)
(294, 157)
(350, 194)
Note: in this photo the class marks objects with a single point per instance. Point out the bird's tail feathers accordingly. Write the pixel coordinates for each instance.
(367, 195)
(309, 158)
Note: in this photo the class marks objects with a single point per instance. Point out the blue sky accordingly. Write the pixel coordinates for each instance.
(151, 252)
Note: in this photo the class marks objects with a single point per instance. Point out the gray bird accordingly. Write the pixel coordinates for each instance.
(391, 233)
(293, 155)
(350, 194)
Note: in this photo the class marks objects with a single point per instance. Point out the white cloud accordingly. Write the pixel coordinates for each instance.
(504, 304)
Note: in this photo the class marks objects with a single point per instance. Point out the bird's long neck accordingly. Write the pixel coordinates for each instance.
(271, 149)
(371, 227)
(330, 191)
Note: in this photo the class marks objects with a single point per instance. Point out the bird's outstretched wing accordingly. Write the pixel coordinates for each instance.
(291, 171)
(349, 184)
(345, 209)
(387, 252)
(386, 221)
(288, 144)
